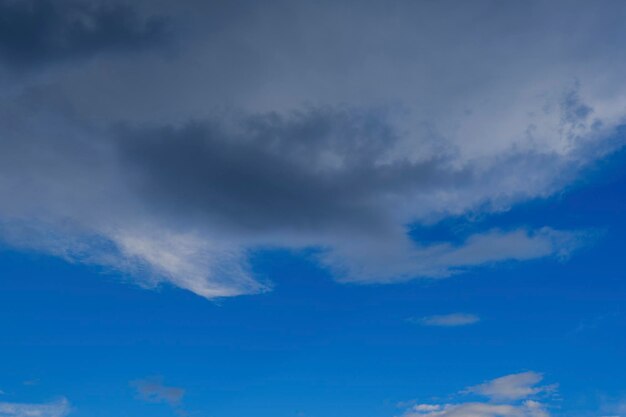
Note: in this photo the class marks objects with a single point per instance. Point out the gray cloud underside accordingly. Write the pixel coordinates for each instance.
(289, 127)
(36, 33)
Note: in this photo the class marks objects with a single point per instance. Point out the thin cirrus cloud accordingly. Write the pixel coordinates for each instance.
(448, 320)
(262, 133)
(154, 390)
(60, 408)
(515, 395)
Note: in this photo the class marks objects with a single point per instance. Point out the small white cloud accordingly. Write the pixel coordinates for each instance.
(527, 409)
(58, 408)
(153, 390)
(512, 387)
(510, 396)
(426, 407)
(448, 320)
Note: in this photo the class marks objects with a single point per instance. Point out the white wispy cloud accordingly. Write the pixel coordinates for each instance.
(60, 408)
(512, 387)
(528, 408)
(154, 390)
(508, 396)
(448, 320)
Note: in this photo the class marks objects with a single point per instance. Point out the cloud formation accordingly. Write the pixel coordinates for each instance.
(509, 396)
(287, 129)
(59, 408)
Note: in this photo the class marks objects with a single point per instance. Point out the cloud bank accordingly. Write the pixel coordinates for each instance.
(332, 126)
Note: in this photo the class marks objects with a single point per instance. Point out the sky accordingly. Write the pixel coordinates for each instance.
(409, 208)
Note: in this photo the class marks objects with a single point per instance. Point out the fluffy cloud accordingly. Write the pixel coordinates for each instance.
(509, 396)
(59, 408)
(291, 128)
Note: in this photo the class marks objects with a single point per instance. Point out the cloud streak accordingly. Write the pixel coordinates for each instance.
(153, 390)
(60, 408)
(512, 387)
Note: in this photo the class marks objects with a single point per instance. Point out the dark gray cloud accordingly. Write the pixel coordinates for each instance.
(37, 32)
(314, 170)
(326, 125)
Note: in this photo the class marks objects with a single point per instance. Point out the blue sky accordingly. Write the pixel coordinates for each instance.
(314, 347)
(312, 210)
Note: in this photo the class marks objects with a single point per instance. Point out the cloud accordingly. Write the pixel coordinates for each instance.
(269, 132)
(448, 320)
(512, 387)
(153, 390)
(58, 408)
(396, 260)
(510, 396)
(185, 205)
(527, 409)
(36, 32)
